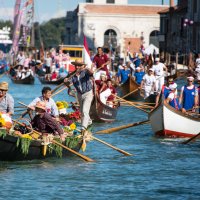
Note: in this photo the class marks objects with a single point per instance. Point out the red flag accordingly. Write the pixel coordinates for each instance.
(86, 57)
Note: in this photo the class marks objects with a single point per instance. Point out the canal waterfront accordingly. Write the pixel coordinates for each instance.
(159, 169)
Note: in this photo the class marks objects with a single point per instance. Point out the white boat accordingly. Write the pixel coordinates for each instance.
(168, 122)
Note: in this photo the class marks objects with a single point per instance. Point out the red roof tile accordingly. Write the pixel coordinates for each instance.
(124, 9)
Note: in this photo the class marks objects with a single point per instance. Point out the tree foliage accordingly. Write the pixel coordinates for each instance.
(50, 33)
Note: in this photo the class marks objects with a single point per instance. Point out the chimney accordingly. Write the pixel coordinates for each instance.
(171, 3)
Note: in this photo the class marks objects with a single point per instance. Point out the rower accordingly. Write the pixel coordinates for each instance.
(148, 83)
(172, 98)
(84, 87)
(189, 95)
(165, 90)
(159, 68)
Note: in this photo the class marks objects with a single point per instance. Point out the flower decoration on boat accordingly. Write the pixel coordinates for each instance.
(2, 121)
(61, 104)
(72, 126)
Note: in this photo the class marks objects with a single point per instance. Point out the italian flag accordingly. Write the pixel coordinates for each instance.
(86, 53)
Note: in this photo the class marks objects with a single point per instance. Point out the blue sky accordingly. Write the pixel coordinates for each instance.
(47, 9)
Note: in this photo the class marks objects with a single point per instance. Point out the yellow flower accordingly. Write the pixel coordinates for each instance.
(27, 136)
(60, 105)
(72, 126)
(65, 104)
(2, 122)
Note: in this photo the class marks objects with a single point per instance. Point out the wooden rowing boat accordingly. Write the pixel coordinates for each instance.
(100, 112)
(10, 152)
(131, 85)
(28, 80)
(56, 82)
(168, 122)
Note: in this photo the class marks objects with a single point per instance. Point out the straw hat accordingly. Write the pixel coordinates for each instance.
(78, 62)
(41, 105)
(4, 86)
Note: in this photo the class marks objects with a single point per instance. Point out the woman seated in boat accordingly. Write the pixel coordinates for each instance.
(111, 98)
(54, 76)
(189, 95)
(102, 88)
(123, 74)
(138, 75)
(28, 72)
(172, 98)
(19, 72)
(44, 122)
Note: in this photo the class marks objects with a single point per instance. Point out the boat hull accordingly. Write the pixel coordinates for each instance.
(10, 152)
(28, 80)
(168, 122)
(44, 81)
(129, 86)
(100, 112)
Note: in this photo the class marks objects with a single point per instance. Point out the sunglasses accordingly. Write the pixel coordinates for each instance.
(190, 81)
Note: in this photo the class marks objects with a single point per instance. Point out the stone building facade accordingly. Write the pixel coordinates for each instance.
(114, 24)
(180, 27)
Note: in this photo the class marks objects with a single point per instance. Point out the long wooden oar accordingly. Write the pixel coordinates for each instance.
(59, 144)
(69, 76)
(132, 104)
(59, 91)
(192, 138)
(113, 147)
(56, 88)
(110, 130)
(130, 93)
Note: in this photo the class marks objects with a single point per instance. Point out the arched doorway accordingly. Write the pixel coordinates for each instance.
(153, 39)
(110, 40)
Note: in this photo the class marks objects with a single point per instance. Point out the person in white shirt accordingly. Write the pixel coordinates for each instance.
(21, 58)
(159, 69)
(148, 83)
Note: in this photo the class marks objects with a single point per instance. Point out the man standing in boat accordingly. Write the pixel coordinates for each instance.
(148, 83)
(101, 61)
(6, 100)
(84, 87)
(189, 95)
(159, 69)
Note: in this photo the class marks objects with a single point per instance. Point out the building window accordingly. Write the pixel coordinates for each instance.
(89, 1)
(110, 1)
(110, 39)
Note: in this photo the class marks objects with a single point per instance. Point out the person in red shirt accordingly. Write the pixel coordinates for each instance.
(101, 61)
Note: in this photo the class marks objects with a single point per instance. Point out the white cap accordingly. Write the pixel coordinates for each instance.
(190, 77)
(173, 86)
(157, 59)
(137, 68)
(151, 69)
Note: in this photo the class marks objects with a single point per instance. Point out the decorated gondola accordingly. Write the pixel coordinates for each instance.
(12, 148)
